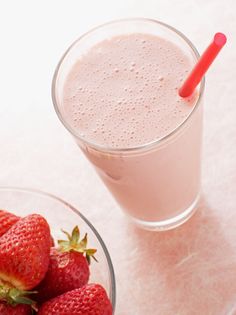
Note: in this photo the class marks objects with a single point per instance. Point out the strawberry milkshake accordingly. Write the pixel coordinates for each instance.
(119, 98)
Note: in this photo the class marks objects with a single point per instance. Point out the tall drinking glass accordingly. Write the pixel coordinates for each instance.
(157, 183)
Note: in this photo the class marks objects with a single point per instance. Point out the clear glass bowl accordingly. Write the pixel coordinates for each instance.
(62, 215)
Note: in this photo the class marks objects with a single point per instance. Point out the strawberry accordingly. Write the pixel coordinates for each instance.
(24, 252)
(19, 309)
(68, 267)
(89, 300)
(7, 220)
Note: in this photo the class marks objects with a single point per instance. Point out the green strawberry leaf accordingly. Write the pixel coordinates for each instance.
(84, 241)
(75, 235)
(67, 234)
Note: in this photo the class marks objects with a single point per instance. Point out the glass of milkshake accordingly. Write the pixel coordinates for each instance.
(116, 91)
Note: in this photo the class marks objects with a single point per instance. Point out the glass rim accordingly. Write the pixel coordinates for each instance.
(112, 293)
(145, 146)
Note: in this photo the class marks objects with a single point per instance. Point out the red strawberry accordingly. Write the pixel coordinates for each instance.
(68, 267)
(7, 220)
(88, 300)
(24, 252)
(20, 309)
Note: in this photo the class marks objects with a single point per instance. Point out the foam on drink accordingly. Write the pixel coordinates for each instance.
(124, 91)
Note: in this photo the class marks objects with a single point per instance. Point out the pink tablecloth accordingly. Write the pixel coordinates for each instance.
(187, 271)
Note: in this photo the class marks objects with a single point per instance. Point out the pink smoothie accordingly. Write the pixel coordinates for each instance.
(123, 93)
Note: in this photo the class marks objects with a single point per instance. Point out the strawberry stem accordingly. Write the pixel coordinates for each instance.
(14, 296)
(74, 244)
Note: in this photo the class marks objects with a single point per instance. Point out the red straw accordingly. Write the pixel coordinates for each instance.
(202, 65)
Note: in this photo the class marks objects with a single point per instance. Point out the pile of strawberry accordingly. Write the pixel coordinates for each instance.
(36, 277)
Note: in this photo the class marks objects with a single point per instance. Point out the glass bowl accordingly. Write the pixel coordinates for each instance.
(62, 215)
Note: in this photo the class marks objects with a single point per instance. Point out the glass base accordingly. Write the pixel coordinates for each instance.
(170, 223)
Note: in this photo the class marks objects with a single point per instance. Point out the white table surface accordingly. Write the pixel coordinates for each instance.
(191, 270)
